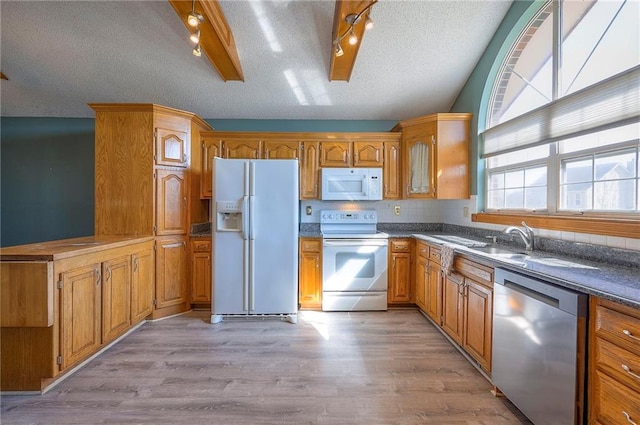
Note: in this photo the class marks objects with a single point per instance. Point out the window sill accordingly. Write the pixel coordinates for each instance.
(625, 228)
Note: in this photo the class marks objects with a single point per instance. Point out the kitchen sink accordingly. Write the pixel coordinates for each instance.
(503, 253)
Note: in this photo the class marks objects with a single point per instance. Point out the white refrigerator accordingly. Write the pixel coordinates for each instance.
(255, 238)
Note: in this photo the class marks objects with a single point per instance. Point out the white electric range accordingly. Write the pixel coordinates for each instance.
(354, 261)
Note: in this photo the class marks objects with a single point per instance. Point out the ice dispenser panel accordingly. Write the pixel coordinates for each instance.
(229, 216)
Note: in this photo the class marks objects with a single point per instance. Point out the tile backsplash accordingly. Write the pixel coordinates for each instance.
(456, 212)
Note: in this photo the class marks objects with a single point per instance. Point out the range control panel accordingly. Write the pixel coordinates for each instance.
(349, 217)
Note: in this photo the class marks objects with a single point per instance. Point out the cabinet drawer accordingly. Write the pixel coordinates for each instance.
(201, 246)
(614, 403)
(422, 249)
(620, 328)
(475, 271)
(310, 245)
(434, 254)
(400, 245)
(621, 364)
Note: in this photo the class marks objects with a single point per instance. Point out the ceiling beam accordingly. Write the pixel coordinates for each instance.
(216, 39)
(3, 77)
(342, 66)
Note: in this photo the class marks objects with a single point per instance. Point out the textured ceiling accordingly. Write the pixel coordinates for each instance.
(59, 56)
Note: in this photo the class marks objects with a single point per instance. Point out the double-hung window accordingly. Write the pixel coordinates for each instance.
(563, 130)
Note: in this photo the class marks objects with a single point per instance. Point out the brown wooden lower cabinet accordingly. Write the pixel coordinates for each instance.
(434, 291)
(453, 306)
(614, 363)
(310, 273)
(400, 284)
(171, 276)
(89, 301)
(201, 271)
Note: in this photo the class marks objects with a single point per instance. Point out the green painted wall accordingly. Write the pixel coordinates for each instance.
(473, 96)
(46, 179)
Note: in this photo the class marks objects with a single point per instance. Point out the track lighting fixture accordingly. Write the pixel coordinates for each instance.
(195, 36)
(353, 19)
(194, 19)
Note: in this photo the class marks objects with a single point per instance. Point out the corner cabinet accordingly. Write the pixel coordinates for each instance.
(436, 156)
(142, 186)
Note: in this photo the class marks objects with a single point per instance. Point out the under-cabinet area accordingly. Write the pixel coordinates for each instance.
(63, 301)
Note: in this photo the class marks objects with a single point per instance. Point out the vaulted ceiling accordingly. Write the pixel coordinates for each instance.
(60, 55)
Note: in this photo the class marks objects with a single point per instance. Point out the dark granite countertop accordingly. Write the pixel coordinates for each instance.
(620, 283)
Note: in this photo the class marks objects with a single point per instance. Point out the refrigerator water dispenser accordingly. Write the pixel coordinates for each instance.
(229, 216)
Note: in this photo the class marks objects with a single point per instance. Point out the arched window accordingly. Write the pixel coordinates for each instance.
(563, 120)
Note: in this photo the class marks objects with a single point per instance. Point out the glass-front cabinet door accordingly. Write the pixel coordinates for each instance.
(419, 171)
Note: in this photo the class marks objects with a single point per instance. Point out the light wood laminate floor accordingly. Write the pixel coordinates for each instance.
(368, 368)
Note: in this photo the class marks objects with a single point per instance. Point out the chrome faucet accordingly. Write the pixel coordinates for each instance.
(526, 235)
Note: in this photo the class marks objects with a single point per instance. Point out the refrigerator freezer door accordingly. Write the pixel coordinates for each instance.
(230, 293)
(274, 237)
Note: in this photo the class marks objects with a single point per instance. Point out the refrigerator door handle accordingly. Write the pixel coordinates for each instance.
(245, 218)
(252, 280)
(246, 274)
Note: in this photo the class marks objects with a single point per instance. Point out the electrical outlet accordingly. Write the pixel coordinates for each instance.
(396, 210)
(465, 212)
(309, 210)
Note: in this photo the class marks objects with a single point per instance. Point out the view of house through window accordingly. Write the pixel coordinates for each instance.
(540, 159)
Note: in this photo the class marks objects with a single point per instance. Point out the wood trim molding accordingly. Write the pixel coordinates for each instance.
(342, 66)
(625, 228)
(294, 136)
(216, 39)
(443, 116)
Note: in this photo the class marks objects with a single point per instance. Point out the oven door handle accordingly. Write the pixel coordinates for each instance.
(355, 242)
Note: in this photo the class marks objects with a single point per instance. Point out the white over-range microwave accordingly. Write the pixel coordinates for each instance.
(351, 184)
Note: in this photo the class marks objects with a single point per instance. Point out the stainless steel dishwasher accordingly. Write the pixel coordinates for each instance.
(539, 333)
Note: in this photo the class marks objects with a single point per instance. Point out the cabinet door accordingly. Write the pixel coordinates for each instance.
(171, 147)
(434, 292)
(171, 272)
(143, 279)
(281, 150)
(171, 200)
(478, 317)
(310, 170)
(391, 176)
(421, 283)
(80, 313)
(452, 306)
(400, 279)
(335, 154)
(201, 277)
(241, 149)
(367, 154)
(210, 150)
(420, 143)
(310, 271)
(116, 297)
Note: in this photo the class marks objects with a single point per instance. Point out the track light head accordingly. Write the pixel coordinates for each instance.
(339, 51)
(194, 19)
(368, 23)
(353, 39)
(197, 51)
(195, 37)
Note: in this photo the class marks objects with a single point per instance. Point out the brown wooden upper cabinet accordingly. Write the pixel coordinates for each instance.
(281, 149)
(171, 147)
(241, 148)
(436, 156)
(351, 154)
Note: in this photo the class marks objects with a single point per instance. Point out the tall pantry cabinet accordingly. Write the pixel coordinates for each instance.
(142, 187)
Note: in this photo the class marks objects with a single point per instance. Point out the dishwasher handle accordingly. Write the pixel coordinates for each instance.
(566, 300)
